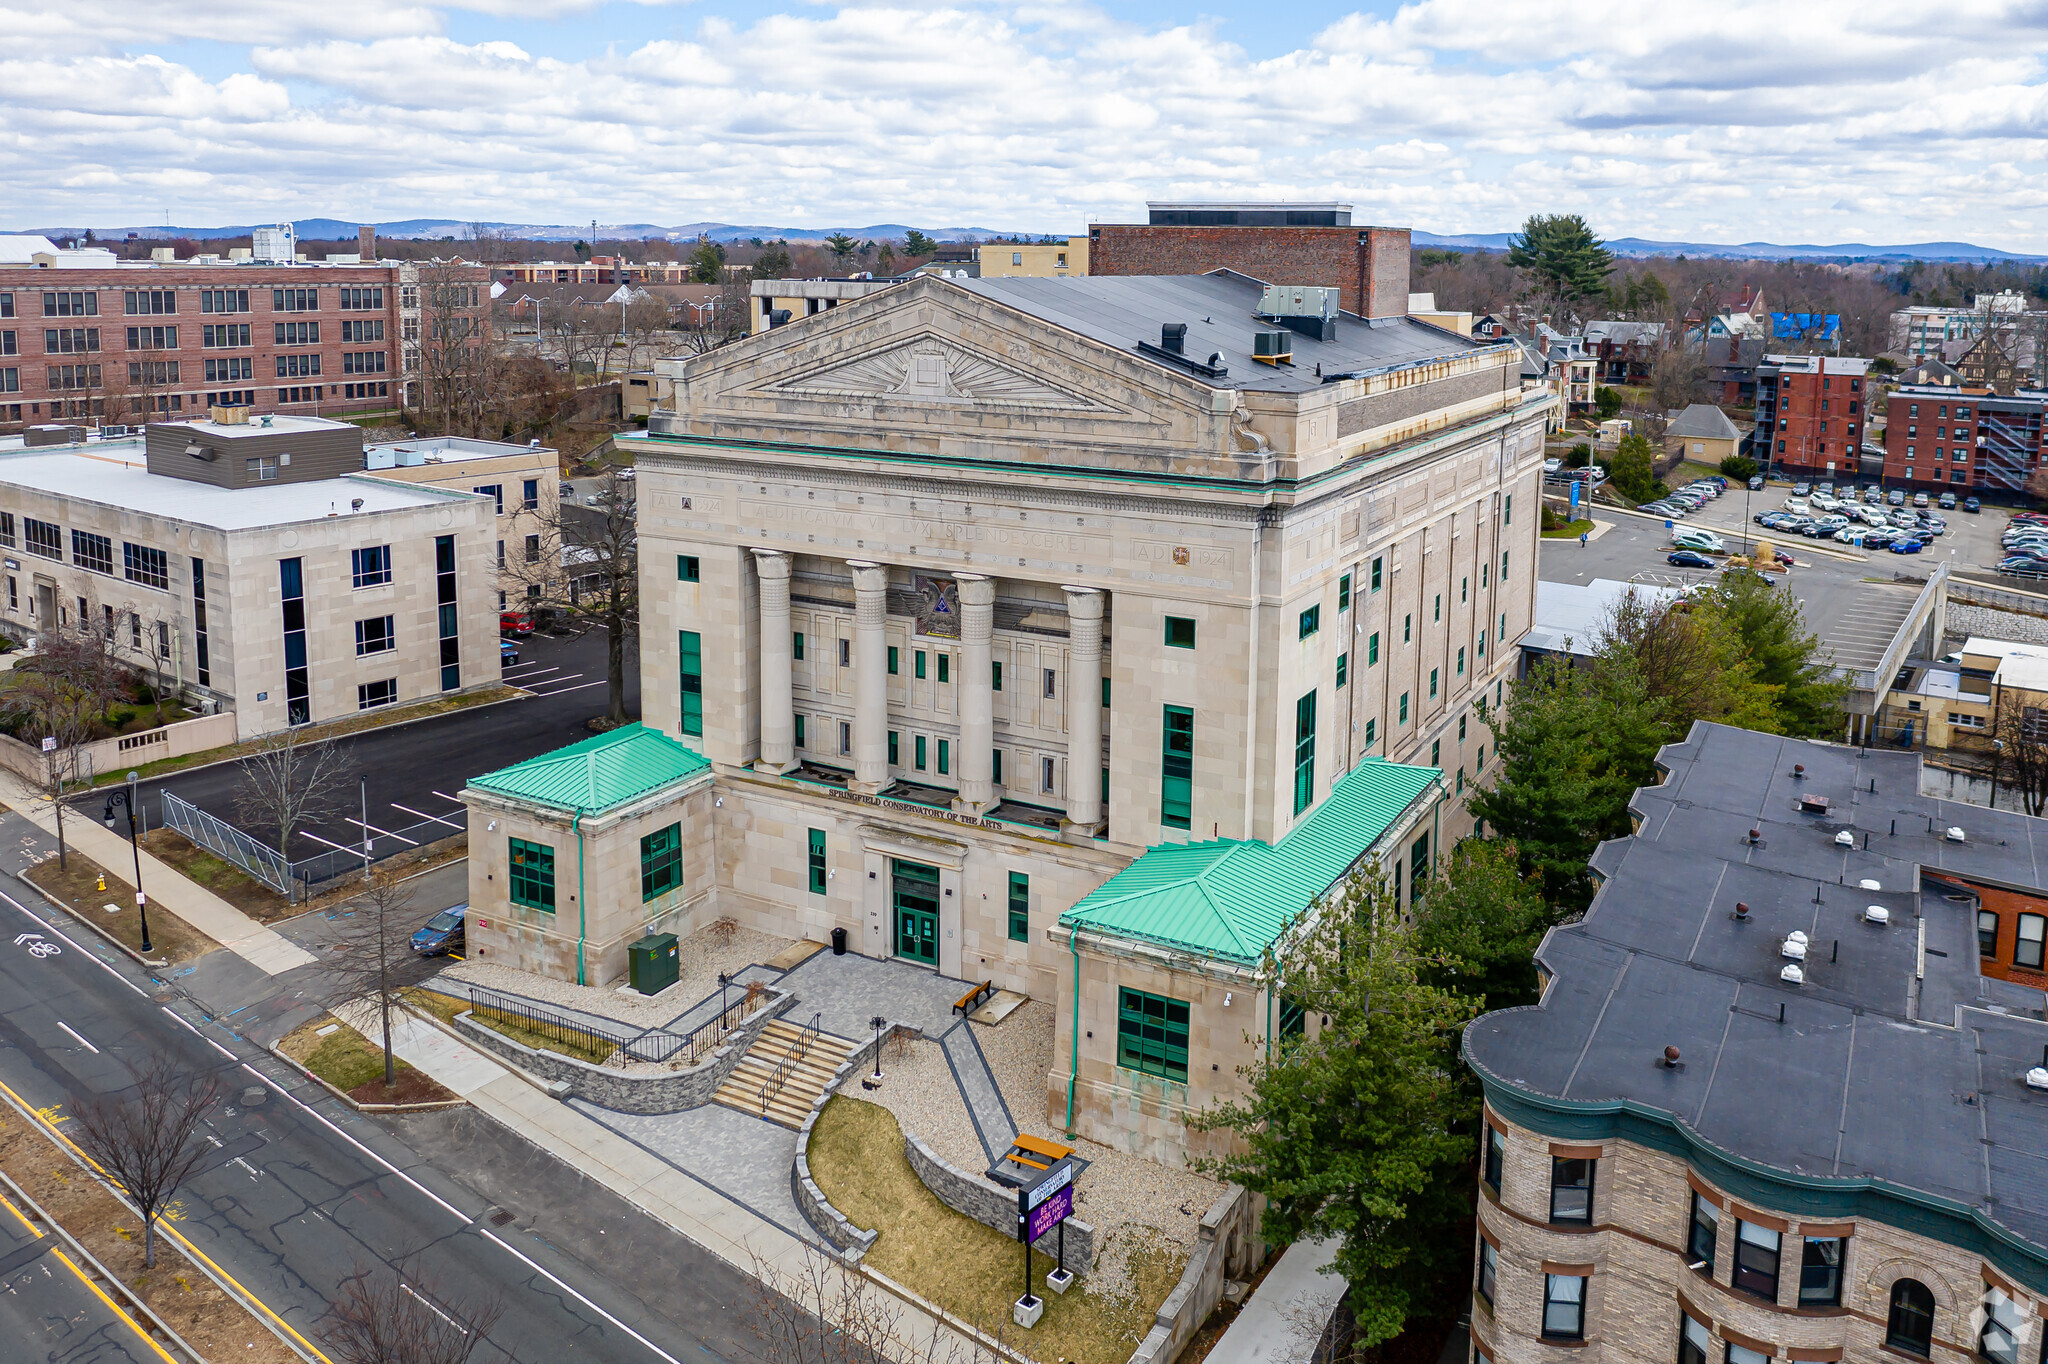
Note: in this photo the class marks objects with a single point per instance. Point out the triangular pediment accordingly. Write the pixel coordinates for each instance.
(934, 369)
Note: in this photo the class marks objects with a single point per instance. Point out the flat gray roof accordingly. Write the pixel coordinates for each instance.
(1122, 310)
(114, 475)
(1876, 1071)
(269, 424)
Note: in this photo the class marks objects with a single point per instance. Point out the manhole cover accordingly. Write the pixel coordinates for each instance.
(254, 1096)
(337, 947)
(164, 998)
(501, 1219)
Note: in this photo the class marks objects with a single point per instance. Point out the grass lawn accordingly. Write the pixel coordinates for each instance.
(973, 1271)
(594, 1051)
(224, 879)
(354, 1064)
(1571, 530)
(76, 885)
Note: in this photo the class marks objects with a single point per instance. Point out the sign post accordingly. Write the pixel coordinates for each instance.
(1040, 1208)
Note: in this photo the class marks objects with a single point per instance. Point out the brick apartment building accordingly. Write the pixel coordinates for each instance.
(1810, 413)
(1963, 438)
(1312, 244)
(128, 341)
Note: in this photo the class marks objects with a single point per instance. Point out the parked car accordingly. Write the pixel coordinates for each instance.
(567, 490)
(2023, 568)
(1919, 499)
(1873, 494)
(1688, 558)
(442, 933)
(1972, 505)
(1897, 498)
(1934, 525)
(1801, 489)
(1696, 538)
(1823, 502)
(1756, 482)
(515, 623)
(1876, 539)
(1907, 544)
(1782, 557)
(1797, 505)
(1947, 501)
(1552, 465)
(508, 653)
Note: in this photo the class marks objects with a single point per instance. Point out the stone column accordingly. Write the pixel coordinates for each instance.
(977, 695)
(870, 677)
(1084, 712)
(778, 711)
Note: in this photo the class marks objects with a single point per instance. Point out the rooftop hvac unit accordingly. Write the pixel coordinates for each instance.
(1298, 300)
(1274, 347)
(1955, 833)
(1814, 805)
(1877, 914)
(1792, 975)
(1792, 949)
(1845, 839)
(2037, 1078)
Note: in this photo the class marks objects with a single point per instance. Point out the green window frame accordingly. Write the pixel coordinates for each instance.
(796, 642)
(945, 757)
(1503, 627)
(1372, 649)
(1311, 621)
(893, 741)
(1461, 729)
(1344, 593)
(1152, 1034)
(1177, 767)
(661, 862)
(1507, 510)
(995, 675)
(690, 671)
(1464, 589)
(1020, 907)
(1432, 681)
(895, 656)
(1461, 781)
(532, 873)
(1304, 752)
(996, 767)
(800, 732)
(687, 568)
(1503, 565)
(1343, 670)
(1376, 576)
(817, 861)
(1439, 608)
(1418, 867)
(917, 664)
(945, 667)
(1408, 627)
(1461, 661)
(1404, 707)
(1436, 752)
(1105, 693)
(1293, 1018)
(1180, 632)
(1372, 732)
(1485, 570)
(917, 752)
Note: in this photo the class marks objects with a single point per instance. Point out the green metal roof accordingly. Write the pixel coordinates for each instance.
(597, 774)
(1232, 898)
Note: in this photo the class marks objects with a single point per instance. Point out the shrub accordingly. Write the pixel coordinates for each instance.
(1579, 457)
(1740, 467)
(1607, 402)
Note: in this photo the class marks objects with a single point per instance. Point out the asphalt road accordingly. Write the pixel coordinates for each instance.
(50, 1312)
(293, 1199)
(416, 771)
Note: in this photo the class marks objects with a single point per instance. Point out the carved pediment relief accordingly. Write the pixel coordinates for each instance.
(931, 369)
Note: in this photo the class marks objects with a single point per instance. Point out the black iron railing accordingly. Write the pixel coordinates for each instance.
(558, 1028)
(788, 1064)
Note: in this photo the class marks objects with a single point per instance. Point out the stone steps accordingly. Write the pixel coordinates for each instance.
(805, 1081)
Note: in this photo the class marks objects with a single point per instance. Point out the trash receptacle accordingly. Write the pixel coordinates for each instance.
(652, 963)
(838, 942)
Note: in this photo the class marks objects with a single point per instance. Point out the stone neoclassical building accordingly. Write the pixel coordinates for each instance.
(1019, 619)
(1717, 1142)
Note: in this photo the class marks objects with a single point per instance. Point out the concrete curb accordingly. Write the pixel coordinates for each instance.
(101, 933)
(361, 1107)
(554, 1089)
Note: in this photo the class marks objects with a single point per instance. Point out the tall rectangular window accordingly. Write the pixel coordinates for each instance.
(1343, 670)
(1488, 1282)
(1496, 1157)
(1311, 621)
(1404, 707)
(1571, 1188)
(1701, 1235)
(917, 752)
(817, 861)
(690, 669)
(1344, 593)
(945, 667)
(2004, 1327)
(205, 657)
(1152, 1034)
(1376, 577)
(1694, 1341)
(1304, 752)
(796, 643)
(996, 768)
(532, 874)
(1372, 648)
(995, 673)
(1177, 768)
(298, 703)
(661, 862)
(1756, 1260)
(917, 664)
(1432, 681)
(945, 757)
(1371, 732)
(893, 656)
(2027, 945)
(1987, 932)
(1820, 1272)
(1020, 907)
(529, 494)
(1564, 1306)
(444, 592)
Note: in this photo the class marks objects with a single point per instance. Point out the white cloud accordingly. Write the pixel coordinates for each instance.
(1754, 120)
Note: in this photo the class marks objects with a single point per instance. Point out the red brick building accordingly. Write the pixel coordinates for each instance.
(1811, 414)
(1963, 438)
(131, 341)
(1312, 244)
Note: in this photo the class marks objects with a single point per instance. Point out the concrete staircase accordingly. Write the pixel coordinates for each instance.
(802, 1081)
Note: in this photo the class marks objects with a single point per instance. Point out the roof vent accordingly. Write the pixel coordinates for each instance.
(1755, 835)
(1845, 839)
(1867, 884)
(1671, 1058)
(1792, 949)
(2037, 1078)
(1742, 909)
(355, 504)
(1814, 805)
(1792, 975)
(1798, 769)
(1955, 833)
(1173, 338)
(1877, 914)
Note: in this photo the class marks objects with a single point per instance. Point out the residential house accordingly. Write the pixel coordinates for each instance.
(1702, 434)
(1627, 351)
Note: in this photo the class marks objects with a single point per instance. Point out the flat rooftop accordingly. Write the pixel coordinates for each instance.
(1880, 1031)
(442, 450)
(114, 474)
(1219, 310)
(1571, 616)
(268, 424)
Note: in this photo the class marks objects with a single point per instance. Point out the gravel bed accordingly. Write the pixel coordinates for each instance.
(700, 957)
(1991, 623)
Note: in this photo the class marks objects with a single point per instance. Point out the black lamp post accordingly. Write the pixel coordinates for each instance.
(724, 979)
(877, 1023)
(126, 798)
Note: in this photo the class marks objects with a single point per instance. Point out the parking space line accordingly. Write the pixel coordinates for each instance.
(421, 814)
(380, 833)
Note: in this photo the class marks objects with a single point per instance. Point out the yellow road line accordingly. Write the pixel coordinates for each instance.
(33, 1229)
(113, 1306)
(170, 1230)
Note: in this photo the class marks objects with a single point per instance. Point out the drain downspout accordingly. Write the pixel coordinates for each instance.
(1074, 1059)
(576, 824)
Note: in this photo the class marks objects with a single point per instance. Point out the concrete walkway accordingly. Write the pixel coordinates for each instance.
(168, 888)
(985, 1106)
(1284, 1320)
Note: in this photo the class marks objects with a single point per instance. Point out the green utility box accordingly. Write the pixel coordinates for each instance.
(654, 963)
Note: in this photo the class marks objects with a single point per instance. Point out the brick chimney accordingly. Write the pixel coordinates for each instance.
(366, 241)
(1383, 272)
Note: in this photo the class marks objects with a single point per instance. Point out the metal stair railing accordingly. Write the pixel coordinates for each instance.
(790, 1057)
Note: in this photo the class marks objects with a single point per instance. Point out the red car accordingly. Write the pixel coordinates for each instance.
(515, 623)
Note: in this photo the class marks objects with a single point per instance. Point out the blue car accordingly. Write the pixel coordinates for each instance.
(1906, 545)
(1688, 558)
(442, 933)
(508, 653)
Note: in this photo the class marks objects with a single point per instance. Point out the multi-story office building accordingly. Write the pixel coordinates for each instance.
(1311, 244)
(1067, 634)
(1923, 333)
(269, 574)
(523, 482)
(1065, 259)
(86, 339)
(1811, 414)
(1963, 439)
(1784, 1095)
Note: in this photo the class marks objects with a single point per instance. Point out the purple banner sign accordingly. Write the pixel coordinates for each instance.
(1051, 1213)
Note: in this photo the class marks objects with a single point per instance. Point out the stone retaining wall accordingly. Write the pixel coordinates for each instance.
(851, 1241)
(992, 1205)
(1226, 1248)
(624, 1092)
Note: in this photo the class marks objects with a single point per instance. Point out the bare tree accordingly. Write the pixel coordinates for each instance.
(372, 959)
(63, 693)
(823, 1313)
(581, 573)
(2019, 743)
(291, 779)
(146, 1137)
(403, 1316)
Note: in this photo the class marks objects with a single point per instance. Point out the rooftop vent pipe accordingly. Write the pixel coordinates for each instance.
(1877, 914)
(1798, 769)
(2037, 1078)
(1845, 839)
(1955, 833)
(1742, 909)
(1792, 975)
(1173, 338)
(1671, 1058)
(1755, 834)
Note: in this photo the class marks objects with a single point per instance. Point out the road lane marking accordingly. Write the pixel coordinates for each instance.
(113, 1307)
(61, 936)
(81, 1040)
(585, 686)
(580, 1298)
(452, 1209)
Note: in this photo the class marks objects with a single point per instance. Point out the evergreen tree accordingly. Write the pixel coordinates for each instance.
(915, 244)
(1783, 654)
(1479, 924)
(1569, 263)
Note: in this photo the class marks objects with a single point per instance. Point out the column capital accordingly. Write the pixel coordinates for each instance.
(1083, 602)
(868, 576)
(976, 589)
(771, 563)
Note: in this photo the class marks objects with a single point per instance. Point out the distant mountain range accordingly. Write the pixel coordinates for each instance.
(429, 229)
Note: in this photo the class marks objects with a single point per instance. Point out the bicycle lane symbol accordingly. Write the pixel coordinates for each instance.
(37, 945)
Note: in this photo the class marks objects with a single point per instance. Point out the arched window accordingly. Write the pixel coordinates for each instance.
(1910, 1326)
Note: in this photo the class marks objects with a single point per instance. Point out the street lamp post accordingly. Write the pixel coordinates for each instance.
(877, 1023)
(127, 800)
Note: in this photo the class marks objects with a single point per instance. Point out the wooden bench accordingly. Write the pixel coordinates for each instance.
(974, 998)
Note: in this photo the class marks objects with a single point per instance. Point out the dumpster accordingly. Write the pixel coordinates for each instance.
(838, 942)
(653, 963)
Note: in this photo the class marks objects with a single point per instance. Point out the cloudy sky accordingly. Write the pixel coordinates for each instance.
(1730, 120)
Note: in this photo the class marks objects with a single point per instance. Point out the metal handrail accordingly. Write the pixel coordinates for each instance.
(658, 1044)
(787, 1065)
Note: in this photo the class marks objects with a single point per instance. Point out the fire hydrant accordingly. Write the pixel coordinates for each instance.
(102, 883)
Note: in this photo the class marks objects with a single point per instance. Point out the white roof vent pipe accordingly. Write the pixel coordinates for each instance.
(1955, 833)
(1792, 950)
(1877, 914)
(1799, 936)
(2037, 1078)
(1867, 884)
(1792, 975)
(1845, 839)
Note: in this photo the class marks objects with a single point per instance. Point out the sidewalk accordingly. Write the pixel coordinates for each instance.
(168, 888)
(1284, 1320)
(746, 1242)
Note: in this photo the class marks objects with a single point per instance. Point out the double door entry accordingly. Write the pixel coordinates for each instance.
(914, 908)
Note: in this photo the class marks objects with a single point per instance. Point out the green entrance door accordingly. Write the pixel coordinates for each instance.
(914, 899)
